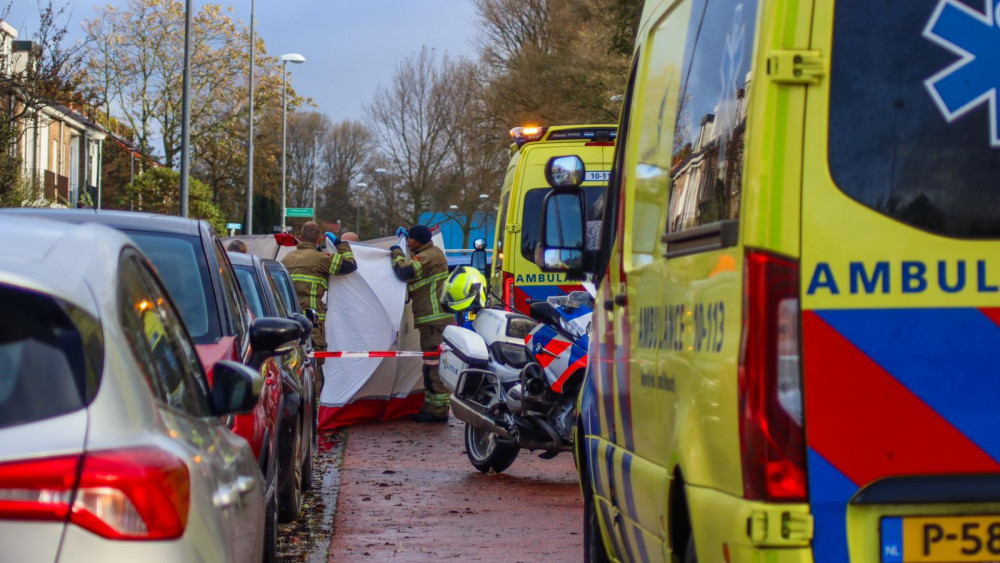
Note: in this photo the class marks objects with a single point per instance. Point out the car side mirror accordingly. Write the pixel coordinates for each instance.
(305, 323)
(273, 336)
(562, 243)
(235, 388)
(312, 316)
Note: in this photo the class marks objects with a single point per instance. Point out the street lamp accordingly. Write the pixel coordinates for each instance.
(357, 206)
(378, 202)
(285, 59)
(249, 216)
(315, 179)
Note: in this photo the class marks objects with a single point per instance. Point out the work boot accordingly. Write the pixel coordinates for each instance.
(423, 416)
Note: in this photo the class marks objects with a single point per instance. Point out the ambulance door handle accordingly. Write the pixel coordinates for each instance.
(620, 300)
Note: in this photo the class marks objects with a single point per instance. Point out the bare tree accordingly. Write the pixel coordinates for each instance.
(478, 156)
(344, 150)
(306, 133)
(137, 56)
(509, 27)
(411, 119)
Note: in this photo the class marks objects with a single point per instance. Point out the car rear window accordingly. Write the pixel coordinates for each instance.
(248, 283)
(913, 117)
(181, 264)
(51, 356)
(285, 287)
(531, 215)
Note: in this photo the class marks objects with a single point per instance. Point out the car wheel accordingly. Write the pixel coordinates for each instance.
(485, 453)
(290, 495)
(307, 467)
(271, 532)
(593, 543)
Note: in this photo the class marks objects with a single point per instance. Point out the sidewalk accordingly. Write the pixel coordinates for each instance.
(408, 493)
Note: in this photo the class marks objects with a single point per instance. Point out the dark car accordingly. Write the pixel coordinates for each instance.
(192, 262)
(296, 429)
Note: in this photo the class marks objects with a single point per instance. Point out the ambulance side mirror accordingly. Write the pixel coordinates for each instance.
(562, 241)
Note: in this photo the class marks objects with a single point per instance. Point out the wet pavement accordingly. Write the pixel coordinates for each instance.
(307, 540)
(408, 493)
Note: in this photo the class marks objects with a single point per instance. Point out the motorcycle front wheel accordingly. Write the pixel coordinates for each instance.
(485, 453)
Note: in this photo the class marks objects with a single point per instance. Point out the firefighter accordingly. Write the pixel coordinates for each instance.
(425, 275)
(311, 269)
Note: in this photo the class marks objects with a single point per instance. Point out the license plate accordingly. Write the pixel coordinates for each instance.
(955, 539)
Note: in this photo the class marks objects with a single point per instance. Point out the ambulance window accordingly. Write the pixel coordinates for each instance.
(531, 215)
(913, 131)
(652, 139)
(613, 196)
(502, 227)
(708, 141)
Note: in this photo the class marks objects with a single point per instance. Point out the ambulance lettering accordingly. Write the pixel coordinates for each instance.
(539, 278)
(950, 276)
(662, 328)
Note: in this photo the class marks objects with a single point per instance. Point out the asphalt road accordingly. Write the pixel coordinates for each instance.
(408, 493)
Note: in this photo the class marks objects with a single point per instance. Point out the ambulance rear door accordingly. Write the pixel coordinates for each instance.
(900, 279)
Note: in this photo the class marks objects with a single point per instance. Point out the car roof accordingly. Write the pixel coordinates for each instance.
(38, 255)
(243, 259)
(132, 220)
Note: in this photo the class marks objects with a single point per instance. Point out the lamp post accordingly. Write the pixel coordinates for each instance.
(186, 112)
(315, 179)
(249, 218)
(379, 172)
(357, 206)
(285, 59)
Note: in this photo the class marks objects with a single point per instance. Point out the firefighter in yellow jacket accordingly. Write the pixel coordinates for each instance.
(425, 275)
(311, 269)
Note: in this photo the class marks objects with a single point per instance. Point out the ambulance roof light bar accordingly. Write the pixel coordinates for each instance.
(527, 134)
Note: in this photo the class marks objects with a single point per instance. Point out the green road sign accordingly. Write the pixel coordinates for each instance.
(299, 212)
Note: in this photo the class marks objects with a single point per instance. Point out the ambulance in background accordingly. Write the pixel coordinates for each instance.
(516, 278)
(795, 356)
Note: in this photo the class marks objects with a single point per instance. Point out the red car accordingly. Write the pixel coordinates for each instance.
(193, 264)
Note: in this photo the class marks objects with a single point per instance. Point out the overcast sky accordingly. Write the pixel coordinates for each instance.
(350, 46)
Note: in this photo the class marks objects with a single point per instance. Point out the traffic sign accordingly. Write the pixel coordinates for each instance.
(299, 212)
(234, 225)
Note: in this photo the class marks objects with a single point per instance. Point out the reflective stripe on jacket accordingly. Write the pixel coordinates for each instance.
(425, 275)
(311, 270)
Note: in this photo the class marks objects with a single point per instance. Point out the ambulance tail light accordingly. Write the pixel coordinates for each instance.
(508, 291)
(772, 436)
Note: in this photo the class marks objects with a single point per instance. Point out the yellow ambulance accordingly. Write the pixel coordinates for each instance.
(515, 277)
(796, 352)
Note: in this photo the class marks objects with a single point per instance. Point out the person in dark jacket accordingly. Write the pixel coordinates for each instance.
(425, 275)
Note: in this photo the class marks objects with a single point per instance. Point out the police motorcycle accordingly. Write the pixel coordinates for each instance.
(514, 378)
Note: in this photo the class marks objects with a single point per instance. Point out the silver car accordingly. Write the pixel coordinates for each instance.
(112, 445)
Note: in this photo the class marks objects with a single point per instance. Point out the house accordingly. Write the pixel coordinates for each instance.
(59, 147)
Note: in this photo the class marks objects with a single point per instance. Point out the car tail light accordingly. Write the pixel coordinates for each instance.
(772, 436)
(508, 291)
(132, 494)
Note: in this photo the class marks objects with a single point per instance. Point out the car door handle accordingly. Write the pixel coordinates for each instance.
(244, 485)
(225, 496)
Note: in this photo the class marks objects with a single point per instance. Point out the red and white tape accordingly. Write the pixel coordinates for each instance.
(380, 354)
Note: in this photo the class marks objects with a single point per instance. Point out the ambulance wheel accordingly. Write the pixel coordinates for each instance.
(690, 555)
(485, 453)
(593, 542)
